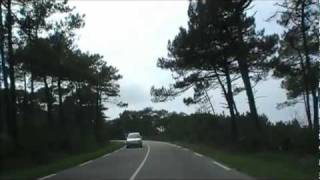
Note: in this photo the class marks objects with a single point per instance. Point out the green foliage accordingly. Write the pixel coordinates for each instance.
(298, 62)
(220, 45)
(62, 91)
(214, 129)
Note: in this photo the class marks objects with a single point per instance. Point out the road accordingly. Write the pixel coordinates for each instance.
(156, 160)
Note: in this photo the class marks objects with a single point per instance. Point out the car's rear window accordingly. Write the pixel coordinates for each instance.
(135, 135)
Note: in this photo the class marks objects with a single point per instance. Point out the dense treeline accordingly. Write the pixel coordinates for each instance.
(204, 128)
(51, 92)
(222, 47)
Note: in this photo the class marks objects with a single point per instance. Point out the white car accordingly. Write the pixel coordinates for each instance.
(134, 139)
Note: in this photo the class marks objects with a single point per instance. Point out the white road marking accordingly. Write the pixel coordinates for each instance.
(221, 165)
(174, 145)
(197, 154)
(106, 155)
(85, 163)
(141, 165)
(177, 146)
(119, 149)
(47, 177)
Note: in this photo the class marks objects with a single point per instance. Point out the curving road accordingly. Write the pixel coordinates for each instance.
(156, 160)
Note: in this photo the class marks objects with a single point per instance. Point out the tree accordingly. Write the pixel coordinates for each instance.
(4, 109)
(12, 118)
(252, 48)
(33, 19)
(208, 52)
(298, 63)
(105, 86)
(65, 103)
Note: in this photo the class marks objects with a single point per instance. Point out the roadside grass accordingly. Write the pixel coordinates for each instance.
(63, 163)
(273, 165)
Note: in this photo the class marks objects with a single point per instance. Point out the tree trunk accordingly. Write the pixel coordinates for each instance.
(209, 100)
(311, 75)
(31, 82)
(231, 104)
(63, 134)
(315, 98)
(61, 118)
(25, 98)
(96, 123)
(25, 93)
(316, 108)
(244, 71)
(12, 123)
(49, 102)
(1, 107)
(247, 84)
(235, 107)
(31, 70)
(6, 101)
(308, 68)
(306, 99)
(230, 107)
(3, 64)
(306, 91)
(2, 111)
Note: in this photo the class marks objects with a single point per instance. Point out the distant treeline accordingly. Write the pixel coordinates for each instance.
(203, 128)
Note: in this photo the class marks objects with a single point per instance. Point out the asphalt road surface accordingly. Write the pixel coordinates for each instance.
(156, 160)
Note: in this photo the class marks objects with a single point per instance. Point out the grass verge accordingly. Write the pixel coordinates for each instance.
(58, 165)
(274, 165)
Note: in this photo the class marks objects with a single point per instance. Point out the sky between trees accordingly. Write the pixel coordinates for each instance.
(133, 34)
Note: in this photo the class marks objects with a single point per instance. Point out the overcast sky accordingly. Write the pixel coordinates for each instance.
(132, 35)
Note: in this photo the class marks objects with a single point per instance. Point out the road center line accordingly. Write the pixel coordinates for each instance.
(197, 154)
(221, 165)
(141, 165)
(85, 163)
(46, 177)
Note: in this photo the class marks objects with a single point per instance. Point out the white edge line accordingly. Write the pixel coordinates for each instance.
(85, 163)
(46, 177)
(51, 175)
(106, 155)
(118, 150)
(200, 155)
(174, 145)
(141, 165)
(197, 154)
(221, 165)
